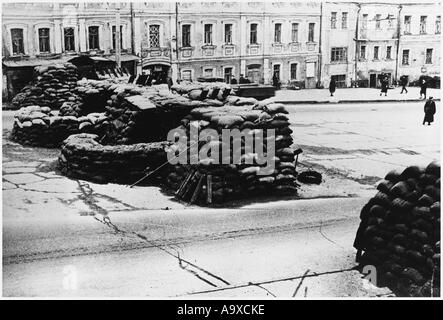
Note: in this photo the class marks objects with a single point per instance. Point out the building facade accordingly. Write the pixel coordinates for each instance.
(306, 42)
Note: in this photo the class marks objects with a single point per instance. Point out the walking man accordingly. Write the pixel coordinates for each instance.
(429, 111)
(423, 87)
(404, 83)
(332, 87)
(384, 86)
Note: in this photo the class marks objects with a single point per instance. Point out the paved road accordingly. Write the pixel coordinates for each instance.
(65, 237)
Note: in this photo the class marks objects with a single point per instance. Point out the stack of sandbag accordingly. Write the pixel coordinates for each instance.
(51, 87)
(400, 231)
(203, 90)
(39, 126)
(84, 157)
(239, 180)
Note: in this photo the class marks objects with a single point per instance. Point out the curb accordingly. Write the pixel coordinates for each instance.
(347, 101)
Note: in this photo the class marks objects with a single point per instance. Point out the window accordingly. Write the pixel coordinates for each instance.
(423, 24)
(69, 39)
(293, 71)
(277, 71)
(405, 58)
(294, 32)
(364, 22)
(338, 55)
(390, 20)
(114, 36)
(228, 75)
(311, 32)
(376, 52)
(208, 73)
(208, 34)
(186, 35)
(17, 41)
(344, 20)
(407, 24)
(429, 56)
(377, 21)
(438, 25)
(187, 75)
(277, 33)
(333, 20)
(43, 39)
(93, 38)
(154, 36)
(389, 52)
(362, 52)
(253, 33)
(228, 33)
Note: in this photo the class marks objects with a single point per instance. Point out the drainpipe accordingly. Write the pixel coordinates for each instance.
(356, 43)
(319, 45)
(117, 36)
(400, 7)
(177, 55)
(131, 8)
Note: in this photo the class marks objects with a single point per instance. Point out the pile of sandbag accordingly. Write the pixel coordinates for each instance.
(51, 87)
(83, 156)
(203, 90)
(399, 231)
(239, 180)
(39, 126)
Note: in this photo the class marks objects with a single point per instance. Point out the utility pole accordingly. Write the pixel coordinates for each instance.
(400, 7)
(117, 36)
(356, 44)
(131, 9)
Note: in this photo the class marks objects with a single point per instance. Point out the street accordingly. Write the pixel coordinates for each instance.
(64, 237)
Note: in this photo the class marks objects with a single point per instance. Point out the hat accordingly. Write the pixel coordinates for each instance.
(431, 97)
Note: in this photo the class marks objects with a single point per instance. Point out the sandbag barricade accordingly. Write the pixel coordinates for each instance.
(399, 233)
(83, 156)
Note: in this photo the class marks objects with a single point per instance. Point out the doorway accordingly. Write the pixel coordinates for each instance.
(373, 80)
(158, 72)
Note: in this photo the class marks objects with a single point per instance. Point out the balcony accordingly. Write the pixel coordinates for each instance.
(156, 52)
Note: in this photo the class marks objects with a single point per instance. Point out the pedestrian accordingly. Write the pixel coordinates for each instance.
(332, 87)
(384, 86)
(404, 83)
(276, 81)
(170, 83)
(233, 80)
(423, 87)
(429, 111)
(242, 80)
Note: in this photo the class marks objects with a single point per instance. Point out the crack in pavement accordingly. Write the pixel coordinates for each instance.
(259, 283)
(186, 265)
(200, 273)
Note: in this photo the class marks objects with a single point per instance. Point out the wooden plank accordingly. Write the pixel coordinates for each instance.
(197, 189)
(209, 189)
(180, 190)
(191, 186)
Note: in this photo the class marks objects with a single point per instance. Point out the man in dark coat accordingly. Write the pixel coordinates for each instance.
(423, 87)
(404, 83)
(242, 80)
(276, 81)
(332, 87)
(429, 111)
(384, 86)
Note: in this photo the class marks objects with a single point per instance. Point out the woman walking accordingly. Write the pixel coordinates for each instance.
(429, 111)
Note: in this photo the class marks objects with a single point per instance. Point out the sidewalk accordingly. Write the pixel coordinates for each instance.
(351, 95)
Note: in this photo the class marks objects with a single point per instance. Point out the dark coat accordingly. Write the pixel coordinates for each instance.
(332, 86)
(242, 80)
(384, 86)
(429, 111)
